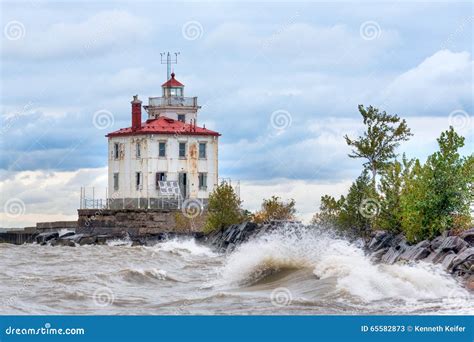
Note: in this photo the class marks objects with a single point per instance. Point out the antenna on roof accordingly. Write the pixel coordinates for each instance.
(168, 60)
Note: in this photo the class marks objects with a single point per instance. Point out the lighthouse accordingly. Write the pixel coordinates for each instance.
(167, 158)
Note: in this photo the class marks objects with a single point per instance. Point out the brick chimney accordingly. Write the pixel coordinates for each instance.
(136, 113)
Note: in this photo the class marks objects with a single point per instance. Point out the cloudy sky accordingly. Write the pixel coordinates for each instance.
(280, 80)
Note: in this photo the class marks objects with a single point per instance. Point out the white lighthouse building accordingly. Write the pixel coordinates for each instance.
(165, 159)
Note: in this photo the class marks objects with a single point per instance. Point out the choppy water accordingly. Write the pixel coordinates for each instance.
(281, 273)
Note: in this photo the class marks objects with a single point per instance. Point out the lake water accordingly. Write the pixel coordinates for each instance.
(281, 273)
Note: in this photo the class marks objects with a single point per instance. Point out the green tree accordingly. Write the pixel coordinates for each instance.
(275, 209)
(383, 134)
(329, 212)
(437, 195)
(360, 208)
(391, 185)
(223, 208)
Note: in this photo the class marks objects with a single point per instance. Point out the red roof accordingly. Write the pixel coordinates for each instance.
(164, 125)
(172, 82)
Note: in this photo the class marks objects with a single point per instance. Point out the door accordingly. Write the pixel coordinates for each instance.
(183, 184)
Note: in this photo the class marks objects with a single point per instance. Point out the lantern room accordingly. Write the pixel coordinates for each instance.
(172, 87)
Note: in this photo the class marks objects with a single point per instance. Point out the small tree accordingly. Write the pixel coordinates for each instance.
(329, 212)
(437, 195)
(360, 208)
(223, 209)
(391, 187)
(382, 136)
(275, 209)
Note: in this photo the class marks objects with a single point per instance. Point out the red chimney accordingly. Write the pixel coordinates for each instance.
(136, 113)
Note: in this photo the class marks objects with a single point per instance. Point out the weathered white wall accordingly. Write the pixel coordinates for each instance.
(190, 114)
(150, 163)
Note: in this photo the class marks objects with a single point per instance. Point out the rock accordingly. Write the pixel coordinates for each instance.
(470, 282)
(380, 239)
(45, 237)
(464, 261)
(87, 240)
(448, 262)
(453, 243)
(228, 238)
(420, 251)
(468, 236)
(102, 239)
(437, 242)
(63, 242)
(377, 255)
(438, 256)
(391, 256)
(66, 234)
(394, 253)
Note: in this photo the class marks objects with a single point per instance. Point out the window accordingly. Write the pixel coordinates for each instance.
(182, 150)
(160, 177)
(116, 181)
(182, 117)
(116, 150)
(138, 180)
(202, 181)
(202, 150)
(173, 91)
(138, 151)
(162, 149)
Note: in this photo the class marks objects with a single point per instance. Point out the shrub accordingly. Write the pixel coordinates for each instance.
(223, 209)
(275, 209)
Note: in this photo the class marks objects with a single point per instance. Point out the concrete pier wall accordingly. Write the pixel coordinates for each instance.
(137, 222)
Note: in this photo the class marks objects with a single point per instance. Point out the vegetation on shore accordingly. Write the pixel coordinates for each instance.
(224, 209)
(421, 200)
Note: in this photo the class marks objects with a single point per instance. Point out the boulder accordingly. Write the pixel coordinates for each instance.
(42, 238)
(393, 254)
(227, 239)
(380, 240)
(102, 239)
(63, 242)
(417, 252)
(464, 261)
(377, 255)
(453, 243)
(448, 262)
(436, 242)
(66, 234)
(87, 240)
(438, 256)
(468, 236)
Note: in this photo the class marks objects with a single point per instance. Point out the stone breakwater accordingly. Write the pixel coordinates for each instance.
(454, 253)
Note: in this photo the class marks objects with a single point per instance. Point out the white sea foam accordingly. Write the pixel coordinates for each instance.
(184, 246)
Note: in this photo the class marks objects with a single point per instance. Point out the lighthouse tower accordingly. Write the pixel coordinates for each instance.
(164, 159)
